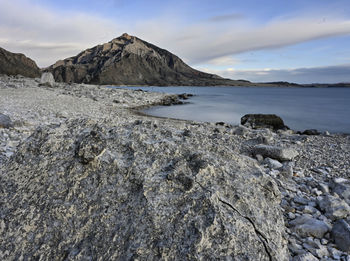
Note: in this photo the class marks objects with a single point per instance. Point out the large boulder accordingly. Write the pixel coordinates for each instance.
(47, 79)
(84, 191)
(258, 121)
(17, 64)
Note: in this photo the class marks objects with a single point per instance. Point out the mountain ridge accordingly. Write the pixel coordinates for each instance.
(128, 60)
(17, 63)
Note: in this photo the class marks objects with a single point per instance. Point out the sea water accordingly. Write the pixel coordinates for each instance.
(324, 109)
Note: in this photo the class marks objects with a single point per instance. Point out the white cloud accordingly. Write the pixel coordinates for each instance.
(205, 42)
(47, 36)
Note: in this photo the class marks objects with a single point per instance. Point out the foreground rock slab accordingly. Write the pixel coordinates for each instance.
(147, 196)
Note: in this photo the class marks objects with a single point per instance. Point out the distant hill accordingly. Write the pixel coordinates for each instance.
(15, 63)
(128, 60)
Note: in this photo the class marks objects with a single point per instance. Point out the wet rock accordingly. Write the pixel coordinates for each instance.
(259, 121)
(5, 121)
(185, 96)
(274, 152)
(341, 235)
(311, 132)
(334, 207)
(306, 225)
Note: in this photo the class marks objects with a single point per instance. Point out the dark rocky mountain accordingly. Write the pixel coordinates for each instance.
(16, 63)
(128, 60)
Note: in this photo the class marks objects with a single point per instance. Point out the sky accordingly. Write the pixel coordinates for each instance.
(302, 41)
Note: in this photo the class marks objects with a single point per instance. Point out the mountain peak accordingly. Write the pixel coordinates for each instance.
(128, 60)
(125, 35)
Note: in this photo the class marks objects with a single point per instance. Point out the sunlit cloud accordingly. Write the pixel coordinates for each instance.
(47, 36)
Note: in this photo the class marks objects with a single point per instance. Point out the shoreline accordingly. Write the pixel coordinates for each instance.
(225, 180)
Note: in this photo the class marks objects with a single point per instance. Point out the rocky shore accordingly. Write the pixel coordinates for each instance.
(84, 177)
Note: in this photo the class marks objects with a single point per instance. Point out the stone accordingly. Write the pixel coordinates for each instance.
(47, 79)
(341, 235)
(306, 225)
(118, 191)
(240, 130)
(341, 187)
(5, 121)
(259, 121)
(273, 164)
(291, 215)
(333, 207)
(309, 210)
(300, 200)
(305, 257)
(259, 158)
(287, 169)
(274, 152)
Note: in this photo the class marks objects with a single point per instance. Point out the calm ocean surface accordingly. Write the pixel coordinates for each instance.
(300, 108)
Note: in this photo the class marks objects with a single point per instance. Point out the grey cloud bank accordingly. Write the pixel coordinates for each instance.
(328, 74)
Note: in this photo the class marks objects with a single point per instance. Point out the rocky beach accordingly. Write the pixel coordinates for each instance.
(84, 176)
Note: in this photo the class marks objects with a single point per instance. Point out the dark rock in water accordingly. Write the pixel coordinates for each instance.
(220, 123)
(17, 64)
(185, 96)
(341, 235)
(128, 60)
(5, 121)
(311, 132)
(257, 121)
